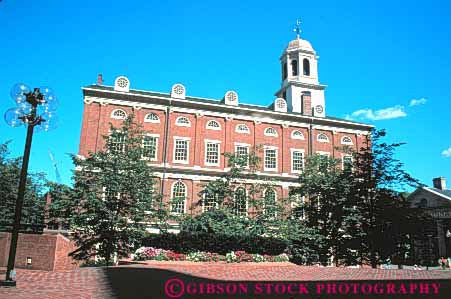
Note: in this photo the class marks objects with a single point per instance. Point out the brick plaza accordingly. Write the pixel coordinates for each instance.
(146, 280)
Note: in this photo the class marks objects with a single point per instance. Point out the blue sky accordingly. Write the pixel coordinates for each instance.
(376, 58)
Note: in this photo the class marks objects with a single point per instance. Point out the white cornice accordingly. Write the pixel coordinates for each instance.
(304, 120)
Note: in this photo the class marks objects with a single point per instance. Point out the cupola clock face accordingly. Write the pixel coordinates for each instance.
(319, 109)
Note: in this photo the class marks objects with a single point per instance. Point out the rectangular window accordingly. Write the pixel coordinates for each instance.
(117, 143)
(212, 153)
(242, 151)
(210, 202)
(297, 206)
(297, 161)
(150, 147)
(347, 163)
(181, 151)
(270, 159)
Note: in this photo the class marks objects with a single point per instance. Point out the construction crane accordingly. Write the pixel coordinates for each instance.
(55, 166)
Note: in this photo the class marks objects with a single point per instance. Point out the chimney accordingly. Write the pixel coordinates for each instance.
(99, 79)
(439, 183)
(306, 103)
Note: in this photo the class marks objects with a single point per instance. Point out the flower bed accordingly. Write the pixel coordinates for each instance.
(157, 254)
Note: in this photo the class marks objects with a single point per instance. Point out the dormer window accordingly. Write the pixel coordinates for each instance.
(270, 132)
(280, 105)
(242, 128)
(306, 67)
(183, 122)
(231, 98)
(118, 114)
(151, 118)
(213, 125)
(322, 138)
(296, 134)
(294, 67)
(346, 140)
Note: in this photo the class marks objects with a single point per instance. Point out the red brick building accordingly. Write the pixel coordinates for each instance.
(186, 135)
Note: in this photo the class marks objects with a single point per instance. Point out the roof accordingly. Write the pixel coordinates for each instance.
(256, 108)
(446, 192)
(300, 43)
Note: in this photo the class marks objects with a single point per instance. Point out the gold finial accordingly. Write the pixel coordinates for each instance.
(297, 29)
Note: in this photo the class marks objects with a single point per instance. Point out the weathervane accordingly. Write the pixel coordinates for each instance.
(297, 29)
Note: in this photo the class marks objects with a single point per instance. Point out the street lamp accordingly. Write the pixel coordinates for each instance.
(33, 109)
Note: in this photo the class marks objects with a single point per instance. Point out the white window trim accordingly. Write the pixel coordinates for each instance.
(247, 202)
(242, 132)
(118, 117)
(151, 120)
(271, 134)
(264, 201)
(346, 143)
(182, 124)
(343, 161)
(203, 203)
(218, 142)
(247, 145)
(188, 139)
(321, 140)
(213, 128)
(296, 137)
(156, 147)
(264, 158)
(295, 204)
(184, 200)
(292, 150)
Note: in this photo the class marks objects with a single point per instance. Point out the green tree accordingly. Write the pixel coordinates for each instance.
(378, 181)
(263, 209)
(329, 209)
(34, 201)
(114, 196)
(60, 210)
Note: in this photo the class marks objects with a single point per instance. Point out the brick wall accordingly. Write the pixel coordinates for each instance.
(47, 252)
(97, 117)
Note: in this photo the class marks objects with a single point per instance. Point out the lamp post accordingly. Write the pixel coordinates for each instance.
(34, 109)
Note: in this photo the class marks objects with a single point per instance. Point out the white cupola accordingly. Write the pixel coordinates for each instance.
(300, 83)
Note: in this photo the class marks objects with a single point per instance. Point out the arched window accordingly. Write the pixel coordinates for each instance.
(270, 203)
(423, 203)
(178, 198)
(322, 137)
(270, 132)
(284, 71)
(240, 202)
(296, 134)
(151, 118)
(213, 125)
(242, 128)
(346, 140)
(294, 67)
(118, 114)
(183, 122)
(306, 67)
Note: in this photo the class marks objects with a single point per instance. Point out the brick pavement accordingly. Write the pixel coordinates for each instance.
(97, 283)
(288, 272)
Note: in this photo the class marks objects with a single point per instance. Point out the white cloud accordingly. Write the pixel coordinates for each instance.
(381, 114)
(415, 102)
(447, 153)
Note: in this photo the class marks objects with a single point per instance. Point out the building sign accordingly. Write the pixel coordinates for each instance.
(440, 214)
